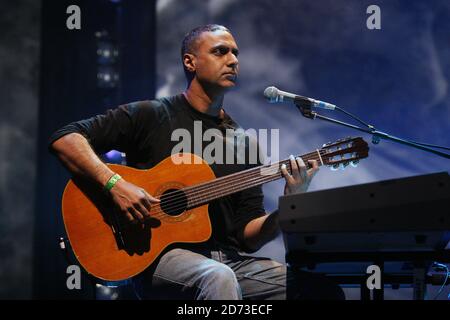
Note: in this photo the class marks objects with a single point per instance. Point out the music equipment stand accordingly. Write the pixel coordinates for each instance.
(402, 220)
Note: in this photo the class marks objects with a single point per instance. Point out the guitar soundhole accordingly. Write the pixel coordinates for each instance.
(173, 202)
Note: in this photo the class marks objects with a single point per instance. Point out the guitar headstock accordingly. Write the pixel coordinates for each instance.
(343, 152)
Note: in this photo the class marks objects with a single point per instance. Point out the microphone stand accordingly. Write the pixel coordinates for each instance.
(305, 108)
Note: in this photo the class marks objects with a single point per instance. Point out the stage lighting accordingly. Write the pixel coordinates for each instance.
(107, 77)
(107, 61)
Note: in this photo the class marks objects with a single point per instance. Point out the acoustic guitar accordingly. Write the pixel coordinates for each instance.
(110, 248)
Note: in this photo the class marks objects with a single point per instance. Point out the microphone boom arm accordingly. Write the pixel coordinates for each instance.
(305, 108)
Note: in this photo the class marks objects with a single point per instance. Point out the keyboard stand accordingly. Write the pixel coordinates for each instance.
(418, 278)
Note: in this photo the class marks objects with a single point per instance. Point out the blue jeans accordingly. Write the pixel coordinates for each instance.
(219, 274)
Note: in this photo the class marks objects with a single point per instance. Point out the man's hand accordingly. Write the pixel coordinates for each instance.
(300, 178)
(132, 201)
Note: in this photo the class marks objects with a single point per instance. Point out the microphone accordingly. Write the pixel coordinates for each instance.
(273, 95)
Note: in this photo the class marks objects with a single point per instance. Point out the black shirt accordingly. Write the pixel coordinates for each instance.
(143, 130)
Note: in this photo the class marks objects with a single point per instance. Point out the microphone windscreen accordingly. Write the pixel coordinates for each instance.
(271, 94)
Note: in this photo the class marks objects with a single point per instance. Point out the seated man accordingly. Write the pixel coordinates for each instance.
(215, 269)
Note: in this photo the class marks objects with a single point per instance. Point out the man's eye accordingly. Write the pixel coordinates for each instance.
(221, 51)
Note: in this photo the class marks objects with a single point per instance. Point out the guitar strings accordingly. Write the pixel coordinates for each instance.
(241, 174)
(306, 157)
(177, 201)
(206, 185)
(196, 199)
(196, 196)
(229, 188)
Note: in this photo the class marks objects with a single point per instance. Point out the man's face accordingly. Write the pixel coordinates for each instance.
(215, 59)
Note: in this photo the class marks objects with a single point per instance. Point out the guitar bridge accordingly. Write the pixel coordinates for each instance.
(117, 231)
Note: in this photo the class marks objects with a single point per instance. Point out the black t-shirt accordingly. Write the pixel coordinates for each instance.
(143, 130)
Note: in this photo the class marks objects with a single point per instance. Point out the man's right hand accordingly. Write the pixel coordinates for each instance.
(77, 155)
(132, 201)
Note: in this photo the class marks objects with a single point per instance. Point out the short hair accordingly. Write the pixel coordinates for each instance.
(190, 39)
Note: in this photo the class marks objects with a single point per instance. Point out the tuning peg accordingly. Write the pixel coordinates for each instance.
(354, 163)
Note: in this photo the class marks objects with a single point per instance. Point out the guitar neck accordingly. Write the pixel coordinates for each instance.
(206, 192)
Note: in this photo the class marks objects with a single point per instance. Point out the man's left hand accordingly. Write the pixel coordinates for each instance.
(301, 177)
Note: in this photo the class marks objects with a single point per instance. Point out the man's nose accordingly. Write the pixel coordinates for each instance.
(233, 62)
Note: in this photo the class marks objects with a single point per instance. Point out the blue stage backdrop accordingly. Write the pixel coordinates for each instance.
(396, 78)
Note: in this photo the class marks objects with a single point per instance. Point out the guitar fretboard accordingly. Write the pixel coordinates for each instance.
(204, 193)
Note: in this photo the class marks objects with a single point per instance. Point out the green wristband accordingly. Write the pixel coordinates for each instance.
(112, 182)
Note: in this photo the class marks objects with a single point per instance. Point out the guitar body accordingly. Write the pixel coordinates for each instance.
(110, 248)
(89, 220)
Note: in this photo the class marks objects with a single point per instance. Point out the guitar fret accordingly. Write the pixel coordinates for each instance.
(234, 183)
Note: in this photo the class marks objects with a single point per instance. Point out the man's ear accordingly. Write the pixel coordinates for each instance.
(189, 62)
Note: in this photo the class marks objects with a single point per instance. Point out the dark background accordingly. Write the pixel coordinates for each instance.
(396, 78)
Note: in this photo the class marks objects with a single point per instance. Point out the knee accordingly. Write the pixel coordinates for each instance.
(220, 274)
(218, 281)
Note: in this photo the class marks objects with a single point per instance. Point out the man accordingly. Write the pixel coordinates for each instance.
(214, 269)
